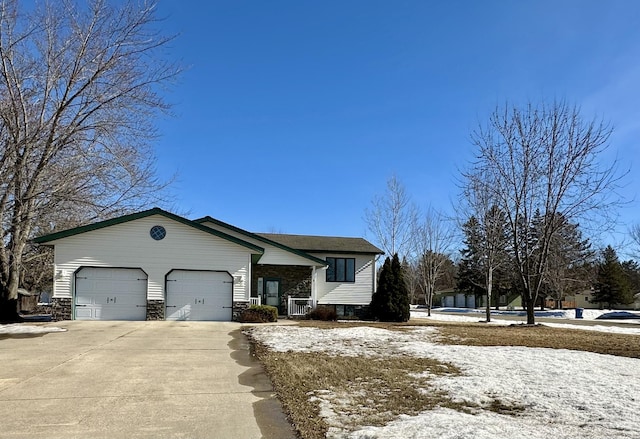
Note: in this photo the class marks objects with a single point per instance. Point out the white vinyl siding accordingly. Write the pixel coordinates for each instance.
(347, 293)
(272, 255)
(129, 245)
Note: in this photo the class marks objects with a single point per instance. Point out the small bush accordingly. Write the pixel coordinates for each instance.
(259, 314)
(324, 313)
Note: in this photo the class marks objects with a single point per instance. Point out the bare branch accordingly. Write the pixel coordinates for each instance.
(79, 88)
(390, 219)
(541, 162)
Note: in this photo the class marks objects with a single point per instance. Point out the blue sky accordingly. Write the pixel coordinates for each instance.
(292, 115)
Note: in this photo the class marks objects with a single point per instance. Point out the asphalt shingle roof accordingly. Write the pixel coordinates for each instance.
(327, 244)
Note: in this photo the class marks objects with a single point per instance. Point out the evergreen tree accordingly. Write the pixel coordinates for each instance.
(631, 271)
(390, 302)
(611, 287)
(483, 267)
(400, 296)
(568, 268)
(381, 300)
(470, 278)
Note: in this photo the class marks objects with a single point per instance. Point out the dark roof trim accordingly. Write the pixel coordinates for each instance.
(344, 252)
(134, 216)
(261, 239)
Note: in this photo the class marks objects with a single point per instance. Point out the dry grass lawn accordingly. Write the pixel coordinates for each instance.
(376, 391)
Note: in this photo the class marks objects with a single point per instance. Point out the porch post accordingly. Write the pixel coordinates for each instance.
(314, 278)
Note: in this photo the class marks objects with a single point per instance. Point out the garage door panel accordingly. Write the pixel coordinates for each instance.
(110, 294)
(84, 313)
(199, 295)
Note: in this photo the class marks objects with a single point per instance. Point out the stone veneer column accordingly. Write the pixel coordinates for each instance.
(238, 307)
(60, 309)
(155, 309)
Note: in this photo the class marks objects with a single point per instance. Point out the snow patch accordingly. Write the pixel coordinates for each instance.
(497, 321)
(19, 328)
(565, 394)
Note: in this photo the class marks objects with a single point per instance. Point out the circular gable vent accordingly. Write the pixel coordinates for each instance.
(158, 232)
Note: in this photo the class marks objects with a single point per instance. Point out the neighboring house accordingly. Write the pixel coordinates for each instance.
(584, 299)
(154, 265)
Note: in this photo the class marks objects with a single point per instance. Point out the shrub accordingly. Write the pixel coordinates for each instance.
(325, 313)
(259, 314)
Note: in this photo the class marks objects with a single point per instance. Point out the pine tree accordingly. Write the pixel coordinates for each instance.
(484, 261)
(567, 268)
(470, 278)
(611, 287)
(631, 271)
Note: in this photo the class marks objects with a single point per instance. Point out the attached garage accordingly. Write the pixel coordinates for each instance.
(110, 294)
(199, 295)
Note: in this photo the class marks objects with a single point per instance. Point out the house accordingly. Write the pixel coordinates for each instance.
(584, 299)
(155, 265)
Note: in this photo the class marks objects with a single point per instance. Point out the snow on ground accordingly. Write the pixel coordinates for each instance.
(20, 328)
(436, 316)
(566, 394)
(587, 314)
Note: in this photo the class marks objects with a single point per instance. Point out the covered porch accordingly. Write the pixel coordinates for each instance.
(290, 288)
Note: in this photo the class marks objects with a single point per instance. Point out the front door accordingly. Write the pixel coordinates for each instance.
(272, 293)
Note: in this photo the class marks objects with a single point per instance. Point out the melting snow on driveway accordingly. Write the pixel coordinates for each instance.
(566, 394)
(22, 329)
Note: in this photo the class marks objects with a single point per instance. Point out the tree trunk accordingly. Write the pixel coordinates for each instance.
(9, 309)
(489, 291)
(531, 317)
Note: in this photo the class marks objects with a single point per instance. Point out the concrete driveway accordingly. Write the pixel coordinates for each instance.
(136, 380)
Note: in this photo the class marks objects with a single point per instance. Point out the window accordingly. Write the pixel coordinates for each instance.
(341, 270)
(158, 232)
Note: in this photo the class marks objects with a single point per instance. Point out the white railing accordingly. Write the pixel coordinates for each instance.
(299, 306)
(255, 300)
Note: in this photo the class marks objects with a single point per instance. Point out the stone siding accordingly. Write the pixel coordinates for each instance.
(238, 307)
(295, 281)
(155, 309)
(60, 309)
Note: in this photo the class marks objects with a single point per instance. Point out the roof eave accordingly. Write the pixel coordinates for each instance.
(138, 215)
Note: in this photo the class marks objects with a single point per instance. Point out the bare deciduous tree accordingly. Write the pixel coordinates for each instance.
(491, 250)
(432, 240)
(543, 158)
(412, 279)
(79, 87)
(635, 236)
(390, 218)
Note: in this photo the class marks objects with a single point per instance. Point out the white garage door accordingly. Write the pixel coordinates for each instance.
(110, 294)
(199, 295)
(471, 301)
(448, 302)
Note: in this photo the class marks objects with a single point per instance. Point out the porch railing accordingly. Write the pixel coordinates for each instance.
(299, 306)
(255, 300)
